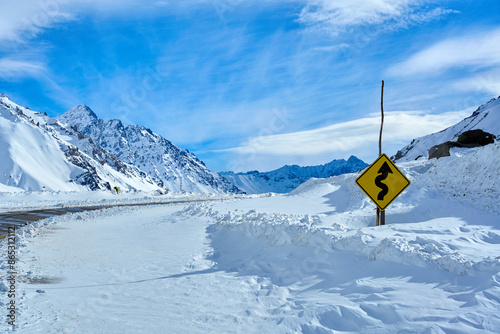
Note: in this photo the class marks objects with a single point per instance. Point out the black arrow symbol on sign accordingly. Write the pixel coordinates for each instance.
(384, 171)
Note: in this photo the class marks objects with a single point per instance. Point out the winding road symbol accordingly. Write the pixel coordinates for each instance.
(384, 172)
(382, 181)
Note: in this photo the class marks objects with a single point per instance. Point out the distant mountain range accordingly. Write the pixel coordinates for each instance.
(287, 178)
(486, 118)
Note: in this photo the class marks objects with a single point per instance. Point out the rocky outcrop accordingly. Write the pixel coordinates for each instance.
(471, 138)
(485, 118)
(476, 138)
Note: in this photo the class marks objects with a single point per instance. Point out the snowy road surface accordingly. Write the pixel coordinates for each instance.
(129, 274)
(21, 218)
(307, 262)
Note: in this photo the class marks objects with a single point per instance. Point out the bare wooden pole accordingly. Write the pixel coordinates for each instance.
(378, 215)
(380, 212)
(382, 122)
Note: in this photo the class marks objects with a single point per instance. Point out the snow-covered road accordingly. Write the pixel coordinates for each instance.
(135, 270)
(133, 273)
(20, 218)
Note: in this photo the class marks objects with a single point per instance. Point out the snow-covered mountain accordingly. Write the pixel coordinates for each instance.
(39, 153)
(169, 166)
(287, 178)
(486, 118)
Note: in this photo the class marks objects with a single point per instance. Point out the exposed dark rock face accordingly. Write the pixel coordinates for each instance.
(471, 138)
(441, 150)
(476, 138)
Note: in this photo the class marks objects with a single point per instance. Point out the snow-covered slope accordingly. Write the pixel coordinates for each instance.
(168, 165)
(38, 153)
(287, 178)
(486, 118)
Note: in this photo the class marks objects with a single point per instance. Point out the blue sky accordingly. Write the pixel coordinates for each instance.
(251, 85)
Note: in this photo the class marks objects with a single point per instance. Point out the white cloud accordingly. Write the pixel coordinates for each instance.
(484, 82)
(22, 20)
(478, 50)
(335, 16)
(358, 137)
(13, 68)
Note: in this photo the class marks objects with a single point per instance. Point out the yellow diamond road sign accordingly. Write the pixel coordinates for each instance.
(382, 181)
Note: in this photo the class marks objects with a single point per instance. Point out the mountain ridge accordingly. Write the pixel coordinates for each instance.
(168, 165)
(288, 177)
(39, 153)
(486, 117)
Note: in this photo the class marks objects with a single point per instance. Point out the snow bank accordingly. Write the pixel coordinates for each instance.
(453, 250)
(469, 175)
(447, 220)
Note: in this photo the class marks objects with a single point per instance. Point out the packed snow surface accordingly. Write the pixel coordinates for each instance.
(311, 261)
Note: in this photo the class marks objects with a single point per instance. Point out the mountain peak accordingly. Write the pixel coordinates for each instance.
(485, 106)
(4, 97)
(166, 164)
(80, 111)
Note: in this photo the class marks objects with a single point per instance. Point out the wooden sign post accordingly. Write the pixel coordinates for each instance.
(382, 181)
(381, 213)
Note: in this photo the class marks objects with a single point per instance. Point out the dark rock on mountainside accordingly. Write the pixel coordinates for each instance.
(471, 138)
(476, 138)
(485, 119)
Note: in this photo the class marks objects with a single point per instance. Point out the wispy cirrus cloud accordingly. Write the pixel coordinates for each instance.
(11, 68)
(338, 16)
(483, 82)
(478, 50)
(22, 20)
